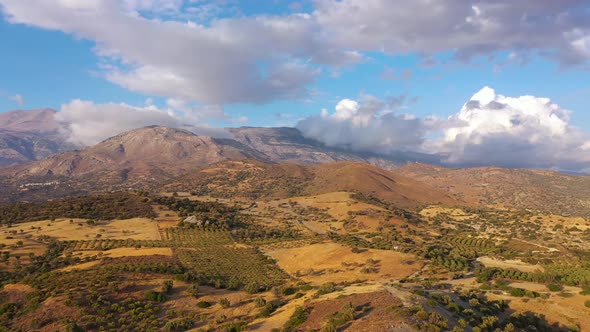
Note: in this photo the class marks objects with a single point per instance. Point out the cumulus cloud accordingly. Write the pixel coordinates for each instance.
(87, 123)
(369, 124)
(148, 46)
(526, 131)
(490, 129)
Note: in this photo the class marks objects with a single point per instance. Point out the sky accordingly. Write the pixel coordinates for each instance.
(497, 82)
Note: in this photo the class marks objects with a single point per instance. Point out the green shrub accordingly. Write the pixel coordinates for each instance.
(289, 291)
(155, 296)
(299, 317)
(204, 304)
(193, 290)
(182, 324)
(225, 302)
(167, 286)
(555, 287)
(326, 289)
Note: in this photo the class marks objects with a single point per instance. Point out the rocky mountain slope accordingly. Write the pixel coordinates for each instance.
(289, 145)
(135, 159)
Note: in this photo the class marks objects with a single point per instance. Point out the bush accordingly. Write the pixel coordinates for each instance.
(289, 291)
(182, 324)
(260, 302)
(518, 292)
(204, 304)
(585, 291)
(193, 290)
(167, 286)
(555, 287)
(299, 317)
(587, 303)
(326, 289)
(155, 296)
(268, 309)
(225, 302)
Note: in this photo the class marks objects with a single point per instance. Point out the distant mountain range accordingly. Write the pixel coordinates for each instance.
(35, 134)
(29, 135)
(257, 162)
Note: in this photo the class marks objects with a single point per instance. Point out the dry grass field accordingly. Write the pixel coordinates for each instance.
(568, 310)
(332, 262)
(78, 229)
(509, 264)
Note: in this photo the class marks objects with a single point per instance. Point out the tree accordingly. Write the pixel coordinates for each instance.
(167, 286)
(193, 290)
(225, 302)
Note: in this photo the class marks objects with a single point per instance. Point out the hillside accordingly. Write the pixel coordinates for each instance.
(135, 159)
(512, 188)
(253, 179)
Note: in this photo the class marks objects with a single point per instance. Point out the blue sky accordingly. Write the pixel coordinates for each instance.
(276, 63)
(49, 68)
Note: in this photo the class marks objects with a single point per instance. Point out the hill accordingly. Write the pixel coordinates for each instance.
(135, 159)
(254, 179)
(509, 188)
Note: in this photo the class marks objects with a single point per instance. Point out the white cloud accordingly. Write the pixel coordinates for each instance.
(490, 129)
(256, 59)
(86, 123)
(369, 124)
(470, 28)
(525, 131)
(149, 47)
(18, 99)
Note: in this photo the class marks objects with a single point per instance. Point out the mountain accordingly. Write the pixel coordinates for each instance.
(37, 121)
(255, 179)
(286, 144)
(508, 188)
(135, 159)
(29, 135)
(33, 135)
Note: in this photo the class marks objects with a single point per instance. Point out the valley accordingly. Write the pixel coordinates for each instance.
(334, 261)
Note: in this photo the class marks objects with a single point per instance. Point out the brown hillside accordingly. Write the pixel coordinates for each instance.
(139, 159)
(139, 153)
(513, 188)
(253, 179)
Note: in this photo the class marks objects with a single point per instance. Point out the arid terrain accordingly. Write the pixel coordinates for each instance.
(161, 229)
(346, 261)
